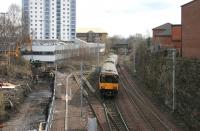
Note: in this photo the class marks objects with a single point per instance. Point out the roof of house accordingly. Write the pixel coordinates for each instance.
(166, 29)
(86, 30)
(164, 26)
(189, 3)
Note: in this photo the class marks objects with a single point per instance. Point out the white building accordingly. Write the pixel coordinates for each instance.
(53, 51)
(50, 19)
(50, 51)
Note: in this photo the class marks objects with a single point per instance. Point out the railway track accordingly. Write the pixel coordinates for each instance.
(116, 121)
(106, 111)
(146, 112)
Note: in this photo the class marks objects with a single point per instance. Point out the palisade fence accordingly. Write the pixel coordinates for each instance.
(51, 110)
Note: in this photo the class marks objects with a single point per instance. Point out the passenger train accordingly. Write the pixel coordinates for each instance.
(109, 78)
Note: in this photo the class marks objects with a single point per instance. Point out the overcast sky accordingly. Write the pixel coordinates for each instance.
(122, 17)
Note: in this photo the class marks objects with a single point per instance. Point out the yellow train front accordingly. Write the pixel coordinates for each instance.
(109, 78)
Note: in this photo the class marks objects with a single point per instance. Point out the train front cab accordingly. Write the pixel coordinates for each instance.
(108, 85)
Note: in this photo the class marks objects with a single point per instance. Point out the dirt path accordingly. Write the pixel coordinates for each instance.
(31, 111)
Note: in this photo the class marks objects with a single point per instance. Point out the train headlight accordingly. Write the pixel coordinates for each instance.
(101, 87)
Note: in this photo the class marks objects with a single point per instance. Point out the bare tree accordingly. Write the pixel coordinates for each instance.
(14, 14)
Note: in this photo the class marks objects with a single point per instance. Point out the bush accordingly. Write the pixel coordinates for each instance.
(155, 69)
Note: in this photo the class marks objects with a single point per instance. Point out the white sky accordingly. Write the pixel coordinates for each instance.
(122, 17)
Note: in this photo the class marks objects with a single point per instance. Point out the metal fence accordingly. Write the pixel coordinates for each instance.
(51, 110)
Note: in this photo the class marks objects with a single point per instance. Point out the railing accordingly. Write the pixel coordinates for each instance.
(51, 110)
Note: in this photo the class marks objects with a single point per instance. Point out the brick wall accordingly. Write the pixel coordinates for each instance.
(191, 29)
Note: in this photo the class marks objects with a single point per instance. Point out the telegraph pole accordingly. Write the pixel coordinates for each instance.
(81, 83)
(174, 53)
(134, 69)
(98, 56)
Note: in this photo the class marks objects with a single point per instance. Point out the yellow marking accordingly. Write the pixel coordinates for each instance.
(109, 86)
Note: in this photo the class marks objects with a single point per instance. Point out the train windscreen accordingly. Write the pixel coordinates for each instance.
(109, 79)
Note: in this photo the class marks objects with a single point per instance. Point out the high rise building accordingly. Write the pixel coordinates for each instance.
(50, 19)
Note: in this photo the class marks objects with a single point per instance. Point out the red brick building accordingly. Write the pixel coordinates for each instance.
(167, 36)
(191, 29)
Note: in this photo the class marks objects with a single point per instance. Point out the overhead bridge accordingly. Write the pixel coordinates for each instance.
(116, 46)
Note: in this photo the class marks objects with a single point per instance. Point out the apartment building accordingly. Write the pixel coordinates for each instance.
(50, 19)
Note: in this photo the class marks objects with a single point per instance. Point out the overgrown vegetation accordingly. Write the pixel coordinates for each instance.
(18, 68)
(155, 70)
(2, 106)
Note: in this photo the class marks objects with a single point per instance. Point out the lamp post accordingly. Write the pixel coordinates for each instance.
(134, 50)
(174, 53)
(98, 56)
(81, 83)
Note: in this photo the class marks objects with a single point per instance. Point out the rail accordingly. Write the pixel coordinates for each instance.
(140, 103)
(113, 113)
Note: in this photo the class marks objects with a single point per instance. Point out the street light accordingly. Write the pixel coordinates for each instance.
(173, 77)
(174, 53)
(81, 87)
(134, 50)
